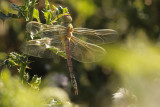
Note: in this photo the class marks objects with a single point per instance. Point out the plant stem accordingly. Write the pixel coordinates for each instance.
(32, 10)
(27, 2)
(21, 71)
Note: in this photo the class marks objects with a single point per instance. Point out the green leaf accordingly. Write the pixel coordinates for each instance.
(24, 12)
(18, 58)
(10, 62)
(48, 13)
(35, 82)
(26, 78)
(65, 10)
(60, 10)
(31, 9)
(27, 2)
(36, 14)
(47, 5)
(53, 7)
(15, 59)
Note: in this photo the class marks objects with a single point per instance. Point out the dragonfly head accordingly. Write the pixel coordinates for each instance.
(66, 18)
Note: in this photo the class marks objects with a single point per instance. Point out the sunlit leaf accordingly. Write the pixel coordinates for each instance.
(48, 17)
(36, 14)
(65, 10)
(47, 5)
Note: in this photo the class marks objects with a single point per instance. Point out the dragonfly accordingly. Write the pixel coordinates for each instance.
(81, 44)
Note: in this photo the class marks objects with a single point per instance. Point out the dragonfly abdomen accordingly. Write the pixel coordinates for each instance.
(70, 66)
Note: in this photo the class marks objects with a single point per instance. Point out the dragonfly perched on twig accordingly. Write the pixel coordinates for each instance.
(77, 43)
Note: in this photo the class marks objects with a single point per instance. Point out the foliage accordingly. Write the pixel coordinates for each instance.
(52, 13)
(14, 94)
(132, 63)
(21, 62)
(28, 12)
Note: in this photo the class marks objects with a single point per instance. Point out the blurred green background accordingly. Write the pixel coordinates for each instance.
(132, 62)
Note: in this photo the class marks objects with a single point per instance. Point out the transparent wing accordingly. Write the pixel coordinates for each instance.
(41, 47)
(50, 39)
(79, 50)
(96, 36)
(43, 30)
(85, 52)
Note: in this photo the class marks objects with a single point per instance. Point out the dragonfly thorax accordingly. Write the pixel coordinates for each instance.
(69, 30)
